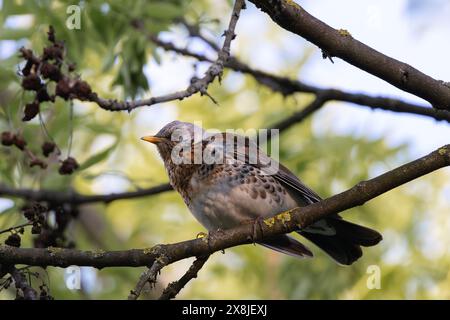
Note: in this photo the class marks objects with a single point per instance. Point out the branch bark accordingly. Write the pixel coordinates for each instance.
(21, 283)
(339, 43)
(149, 276)
(59, 197)
(282, 223)
(287, 86)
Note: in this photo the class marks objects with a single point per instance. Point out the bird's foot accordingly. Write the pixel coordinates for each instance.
(201, 235)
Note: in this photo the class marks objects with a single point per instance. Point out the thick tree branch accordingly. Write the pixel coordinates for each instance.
(282, 223)
(287, 86)
(76, 198)
(372, 102)
(339, 43)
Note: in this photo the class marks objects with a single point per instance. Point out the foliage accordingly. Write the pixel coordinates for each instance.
(110, 55)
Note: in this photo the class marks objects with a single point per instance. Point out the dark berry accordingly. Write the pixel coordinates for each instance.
(36, 229)
(7, 138)
(72, 67)
(29, 213)
(63, 89)
(31, 82)
(54, 52)
(50, 71)
(68, 166)
(13, 240)
(38, 162)
(27, 54)
(19, 142)
(41, 218)
(27, 69)
(40, 208)
(82, 89)
(31, 110)
(47, 148)
(42, 95)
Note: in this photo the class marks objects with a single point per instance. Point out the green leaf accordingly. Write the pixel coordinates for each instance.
(163, 10)
(109, 61)
(15, 34)
(98, 157)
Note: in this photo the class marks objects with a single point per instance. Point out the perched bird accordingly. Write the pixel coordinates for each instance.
(224, 194)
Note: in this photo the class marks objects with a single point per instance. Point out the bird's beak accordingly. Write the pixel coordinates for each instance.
(152, 139)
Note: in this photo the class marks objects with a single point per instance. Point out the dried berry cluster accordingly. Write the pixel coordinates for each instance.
(52, 234)
(49, 234)
(40, 71)
(68, 166)
(25, 274)
(36, 214)
(14, 239)
(44, 293)
(10, 139)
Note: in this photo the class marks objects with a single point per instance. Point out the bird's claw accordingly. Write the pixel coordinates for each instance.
(201, 235)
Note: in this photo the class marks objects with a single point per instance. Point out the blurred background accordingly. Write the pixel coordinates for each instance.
(337, 147)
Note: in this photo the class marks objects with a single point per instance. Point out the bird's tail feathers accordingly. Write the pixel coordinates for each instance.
(340, 239)
(287, 245)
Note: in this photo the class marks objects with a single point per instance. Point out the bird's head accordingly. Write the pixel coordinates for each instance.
(171, 139)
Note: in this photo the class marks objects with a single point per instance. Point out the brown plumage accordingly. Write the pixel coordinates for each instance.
(223, 194)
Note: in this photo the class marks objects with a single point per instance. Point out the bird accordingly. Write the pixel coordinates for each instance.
(235, 188)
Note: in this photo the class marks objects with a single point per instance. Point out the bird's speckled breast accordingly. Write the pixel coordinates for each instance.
(225, 195)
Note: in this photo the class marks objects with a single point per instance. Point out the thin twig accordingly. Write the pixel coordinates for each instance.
(69, 148)
(21, 283)
(175, 287)
(198, 85)
(287, 86)
(16, 227)
(76, 198)
(148, 276)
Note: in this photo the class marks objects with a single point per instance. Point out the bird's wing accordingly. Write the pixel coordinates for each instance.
(298, 189)
(241, 148)
(288, 179)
